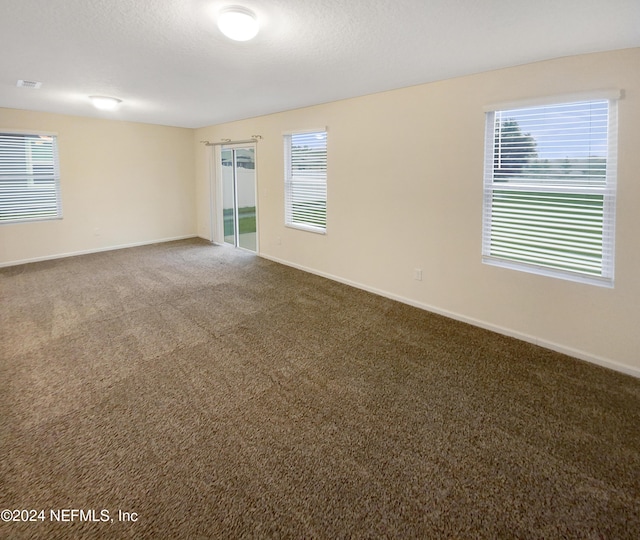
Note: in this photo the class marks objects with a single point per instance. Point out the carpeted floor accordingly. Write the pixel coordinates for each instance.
(209, 393)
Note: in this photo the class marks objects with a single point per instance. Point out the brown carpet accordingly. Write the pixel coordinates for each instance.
(219, 395)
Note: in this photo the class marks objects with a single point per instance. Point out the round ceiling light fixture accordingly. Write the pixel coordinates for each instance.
(105, 103)
(238, 23)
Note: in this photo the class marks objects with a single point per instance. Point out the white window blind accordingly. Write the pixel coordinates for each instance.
(306, 180)
(29, 177)
(549, 190)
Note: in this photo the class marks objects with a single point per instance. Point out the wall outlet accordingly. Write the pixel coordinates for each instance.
(278, 241)
(417, 274)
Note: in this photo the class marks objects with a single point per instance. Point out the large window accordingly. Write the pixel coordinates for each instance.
(29, 177)
(549, 189)
(306, 180)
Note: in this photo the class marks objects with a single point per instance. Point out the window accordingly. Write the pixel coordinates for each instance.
(29, 177)
(549, 190)
(305, 184)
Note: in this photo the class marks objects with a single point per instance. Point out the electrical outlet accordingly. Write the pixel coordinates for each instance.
(417, 274)
(278, 241)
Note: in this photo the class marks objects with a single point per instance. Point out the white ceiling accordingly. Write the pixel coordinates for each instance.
(170, 65)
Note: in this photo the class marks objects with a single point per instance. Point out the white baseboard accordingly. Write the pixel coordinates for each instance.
(95, 250)
(575, 353)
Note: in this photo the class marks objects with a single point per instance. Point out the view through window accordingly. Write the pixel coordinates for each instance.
(306, 180)
(29, 177)
(549, 190)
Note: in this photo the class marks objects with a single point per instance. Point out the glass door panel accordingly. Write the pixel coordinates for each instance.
(245, 166)
(228, 196)
(238, 166)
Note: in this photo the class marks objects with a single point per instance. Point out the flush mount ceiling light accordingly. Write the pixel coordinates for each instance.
(238, 23)
(105, 103)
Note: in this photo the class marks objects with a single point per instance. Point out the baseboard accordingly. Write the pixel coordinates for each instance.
(96, 250)
(575, 353)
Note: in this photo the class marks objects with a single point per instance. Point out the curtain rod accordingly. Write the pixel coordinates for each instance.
(253, 139)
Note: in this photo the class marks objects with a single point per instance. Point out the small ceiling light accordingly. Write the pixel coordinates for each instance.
(238, 23)
(105, 103)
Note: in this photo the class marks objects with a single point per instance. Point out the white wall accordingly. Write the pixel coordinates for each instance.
(405, 191)
(122, 183)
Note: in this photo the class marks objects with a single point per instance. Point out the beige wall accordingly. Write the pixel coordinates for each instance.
(405, 192)
(122, 183)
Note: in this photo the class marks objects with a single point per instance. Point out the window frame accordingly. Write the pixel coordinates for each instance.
(29, 176)
(607, 190)
(290, 182)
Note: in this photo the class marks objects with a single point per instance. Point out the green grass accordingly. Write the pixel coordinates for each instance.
(246, 220)
(312, 213)
(556, 230)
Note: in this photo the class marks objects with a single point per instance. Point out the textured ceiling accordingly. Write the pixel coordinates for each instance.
(170, 65)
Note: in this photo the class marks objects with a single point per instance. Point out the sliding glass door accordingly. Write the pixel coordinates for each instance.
(238, 167)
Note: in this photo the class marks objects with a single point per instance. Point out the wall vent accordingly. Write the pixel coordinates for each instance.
(29, 84)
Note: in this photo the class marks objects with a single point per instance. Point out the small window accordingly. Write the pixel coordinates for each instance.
(29, 178)
(306, 180)
(549, 190)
